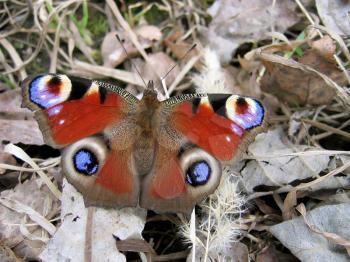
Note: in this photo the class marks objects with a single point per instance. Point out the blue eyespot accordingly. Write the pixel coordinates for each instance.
(198, 173)
(85, 162)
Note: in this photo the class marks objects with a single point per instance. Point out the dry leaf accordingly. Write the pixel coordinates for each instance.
(149, 32)
(313, 247)
(236, 22)
(17, 124)
(300, 87)
(284, 170)
(113, 53)
(335, 15)
(31, 195)
(6, 254)
(271, 254)
(100, 228)
(21, 131)
(180, 48)
(325, 47)
(5, 158)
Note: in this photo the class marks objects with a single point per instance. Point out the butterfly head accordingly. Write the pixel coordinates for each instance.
(150, 93)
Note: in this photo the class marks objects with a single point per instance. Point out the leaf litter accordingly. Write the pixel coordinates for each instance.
(288, 195)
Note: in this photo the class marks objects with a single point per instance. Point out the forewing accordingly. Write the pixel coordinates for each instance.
(197, 134)
(88, 119)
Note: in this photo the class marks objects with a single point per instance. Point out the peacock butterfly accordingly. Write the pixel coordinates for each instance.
(120, 151)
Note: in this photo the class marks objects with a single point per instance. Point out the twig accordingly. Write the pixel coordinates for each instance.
(326, 127)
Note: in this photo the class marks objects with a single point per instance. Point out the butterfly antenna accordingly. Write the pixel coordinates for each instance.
(127, 55)
(189, 50)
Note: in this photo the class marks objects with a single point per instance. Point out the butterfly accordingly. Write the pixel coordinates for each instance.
(120, 151)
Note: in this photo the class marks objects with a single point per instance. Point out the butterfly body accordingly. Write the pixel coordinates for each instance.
(120, 151)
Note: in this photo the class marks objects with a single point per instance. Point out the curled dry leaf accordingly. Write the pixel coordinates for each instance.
(273, 170)
(179, 48)
(90, 232)
(10, 105)
(149, 32)
(236, 22)
(17, 124)
(33, 196)
(21, 131)
(7, 255)
(335, 15)
(292, 82)
(308, 245)
(113, 53)
(5, 158)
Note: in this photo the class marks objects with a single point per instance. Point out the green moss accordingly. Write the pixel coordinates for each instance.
(97, 56)
(54, 21)
(98, 25)
(155, 16)
(297, 50)
(7, 81)
(82, 23)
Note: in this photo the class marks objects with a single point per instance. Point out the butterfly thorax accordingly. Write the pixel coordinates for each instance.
(147, 122)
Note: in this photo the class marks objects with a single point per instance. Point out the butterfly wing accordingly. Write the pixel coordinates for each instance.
(197, 134)
(88, 119)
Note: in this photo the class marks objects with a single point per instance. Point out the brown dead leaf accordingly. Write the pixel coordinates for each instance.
(236, 22)
(21, 131)
(17, 124)
(180, 48)
(335, 15)
(325, 47)
(6, 159)
(238, 252)
(10, 104)
(288, 171)
(135, 245)
(301, 87)
(270, 254)
(30, 249)
(104, 225)
(30, 194)
(288, 205)
(264, 207)
(113, 53)
(7, 255)
(149, 32)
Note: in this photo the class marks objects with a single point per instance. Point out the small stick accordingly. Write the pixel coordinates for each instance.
(189, 50)
(138, 72)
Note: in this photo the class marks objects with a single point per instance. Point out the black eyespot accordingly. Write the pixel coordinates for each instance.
(198, 173)
(54, 82)
(85, 162)
(241, 101)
